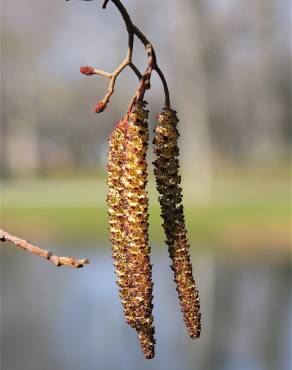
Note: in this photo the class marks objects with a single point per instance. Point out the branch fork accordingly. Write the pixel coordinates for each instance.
(144, 79)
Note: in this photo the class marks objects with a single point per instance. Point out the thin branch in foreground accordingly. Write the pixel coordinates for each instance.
(56, 260)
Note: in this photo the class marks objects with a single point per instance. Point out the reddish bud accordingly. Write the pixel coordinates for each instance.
(100, 107)
(86, 70)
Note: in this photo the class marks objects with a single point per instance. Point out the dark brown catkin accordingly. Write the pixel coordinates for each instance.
(167, 181)
(128, 212)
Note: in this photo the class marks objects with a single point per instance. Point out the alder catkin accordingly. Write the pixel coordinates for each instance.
(128, 213)
(168, 179)
(115, 199)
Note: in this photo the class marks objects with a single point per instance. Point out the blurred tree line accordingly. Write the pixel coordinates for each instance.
(228, 67)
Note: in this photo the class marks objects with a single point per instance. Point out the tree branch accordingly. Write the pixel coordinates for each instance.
(136, 70)
(152, 63)
(89, 71)
(165, 86)
(24, 244)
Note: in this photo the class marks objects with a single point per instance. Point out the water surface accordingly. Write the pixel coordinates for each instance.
(65, 319)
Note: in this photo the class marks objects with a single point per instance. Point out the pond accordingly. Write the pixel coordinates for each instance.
(65, 319)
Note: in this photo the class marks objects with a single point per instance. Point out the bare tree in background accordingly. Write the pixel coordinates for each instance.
(235, 107)
(192, 102)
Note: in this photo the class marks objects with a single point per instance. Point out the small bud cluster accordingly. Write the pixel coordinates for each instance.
(87, 70)
(168, 180)
(128, 214)
(100, 107)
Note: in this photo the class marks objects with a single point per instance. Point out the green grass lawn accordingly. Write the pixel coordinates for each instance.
(242, 214)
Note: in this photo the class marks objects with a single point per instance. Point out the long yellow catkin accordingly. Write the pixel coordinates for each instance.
(128, 213)
(168, 180)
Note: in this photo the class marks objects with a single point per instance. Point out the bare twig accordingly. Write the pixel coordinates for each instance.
(165, 86)
(24, 244)
(102, 73)
(136, 70)
(152, 63)
(127, 61)
(105, 4)
(113, 76)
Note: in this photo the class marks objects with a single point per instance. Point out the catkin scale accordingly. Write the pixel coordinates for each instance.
(168, 184)
(128, 216)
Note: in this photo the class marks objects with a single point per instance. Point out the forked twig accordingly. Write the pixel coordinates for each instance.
(113, 76)
(56, 260)
(145, 78)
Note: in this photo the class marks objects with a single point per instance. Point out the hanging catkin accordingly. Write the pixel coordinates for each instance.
(128, 213)
(168, 180)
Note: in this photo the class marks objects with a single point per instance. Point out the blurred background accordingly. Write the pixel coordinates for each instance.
(228, 67)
